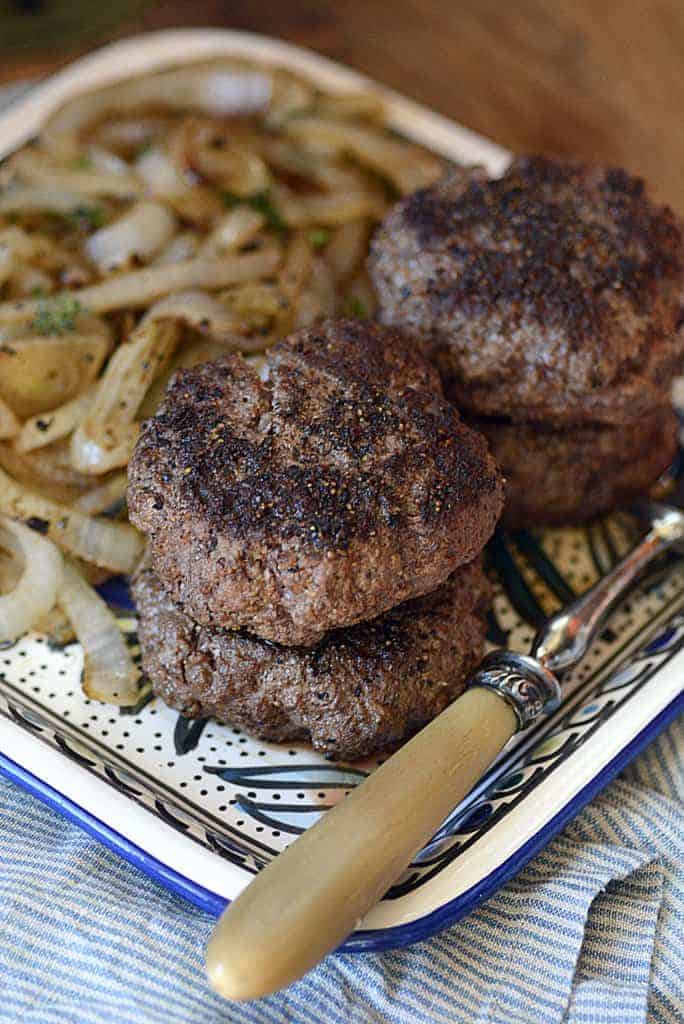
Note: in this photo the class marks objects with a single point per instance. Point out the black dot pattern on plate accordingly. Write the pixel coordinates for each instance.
(220, 782)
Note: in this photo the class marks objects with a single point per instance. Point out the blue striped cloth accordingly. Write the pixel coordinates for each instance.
(592, 932)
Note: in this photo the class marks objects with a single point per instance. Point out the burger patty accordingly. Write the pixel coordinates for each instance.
(337, 487)
(561, 477)
(361, 690)
(551, 294)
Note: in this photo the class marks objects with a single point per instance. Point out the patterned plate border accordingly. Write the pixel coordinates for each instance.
(502, 795)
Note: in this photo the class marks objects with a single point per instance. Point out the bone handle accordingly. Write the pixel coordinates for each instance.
(306, 902)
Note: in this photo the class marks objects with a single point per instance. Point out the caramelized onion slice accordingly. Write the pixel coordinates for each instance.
(406, 165)
(140, 287)
(36, 589)
(106, 437)
(103, 542)
(206, 315)
(41, 173)
(45, 428)
(213, 89)
(109, 674)
(39, 372)
(9, 424)
(141, 233)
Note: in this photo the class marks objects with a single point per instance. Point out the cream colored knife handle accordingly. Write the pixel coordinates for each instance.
(314, 894)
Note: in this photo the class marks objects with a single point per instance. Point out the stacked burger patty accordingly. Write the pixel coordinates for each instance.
(551, 302)
(314, 538)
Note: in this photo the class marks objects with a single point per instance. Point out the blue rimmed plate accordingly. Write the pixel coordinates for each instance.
(201, 806)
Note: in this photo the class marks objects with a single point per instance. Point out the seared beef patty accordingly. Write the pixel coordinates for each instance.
(551, 294)
(558, 477)
(361, 690)
(336, 488)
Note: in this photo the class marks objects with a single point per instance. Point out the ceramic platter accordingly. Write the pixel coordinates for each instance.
(202, 807)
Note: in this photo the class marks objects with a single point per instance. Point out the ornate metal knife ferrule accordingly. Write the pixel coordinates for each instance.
(528, 681)
(530, 688)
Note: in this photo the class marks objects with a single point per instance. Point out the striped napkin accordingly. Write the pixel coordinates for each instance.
(591, 932)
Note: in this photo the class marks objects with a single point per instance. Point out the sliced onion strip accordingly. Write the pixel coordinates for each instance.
(218, 90)
(36, 590)
(106, 496)
(56, 627)
(234, 230)
(161, 175)
(104, 542)
(9, 424)
(47, 427)
(180, 249)
(406, 165)
(36, 171)
(140, 287)
(140, 234)
(109, 674)
(207, 315)
(105, 438)
(26, 199)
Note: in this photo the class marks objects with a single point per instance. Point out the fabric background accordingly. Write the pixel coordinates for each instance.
(591, 932)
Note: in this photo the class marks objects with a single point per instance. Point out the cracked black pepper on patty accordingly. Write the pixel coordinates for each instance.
(551, 294)
(337, 487)
(362, 690)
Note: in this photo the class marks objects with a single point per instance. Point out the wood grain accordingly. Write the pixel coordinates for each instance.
(600, 80)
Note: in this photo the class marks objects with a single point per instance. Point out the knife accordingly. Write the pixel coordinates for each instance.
(314, 894)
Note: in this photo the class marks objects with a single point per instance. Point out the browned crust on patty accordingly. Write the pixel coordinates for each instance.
(570, 476)
(553, 293)
(342, 485)
(361, 690)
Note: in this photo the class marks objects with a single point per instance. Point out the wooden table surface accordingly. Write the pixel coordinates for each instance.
(599, 79)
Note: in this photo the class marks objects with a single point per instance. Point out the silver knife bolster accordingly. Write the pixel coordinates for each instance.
(528, 686)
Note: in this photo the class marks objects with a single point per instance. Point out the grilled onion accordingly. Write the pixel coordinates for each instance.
(40, 372)
(106, 497)
(140, 287)
(47, 471)
(218, 90)
(403, 163)
(207, 315)
(36, 171)
(9, 424)
(47, 427)
(104, 542)
(109, 674)
(161, 175)
(27, 199)
(139, 234)
(36, 589)
(105, 438)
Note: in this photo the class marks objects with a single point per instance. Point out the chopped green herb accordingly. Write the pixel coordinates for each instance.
(143, 148)
(57, 316)
(82, 163)
(319, 237)
(355, 307)
(260, 201)
(87, 218)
